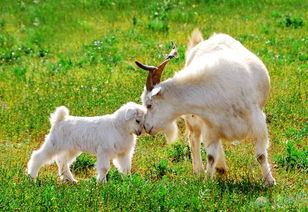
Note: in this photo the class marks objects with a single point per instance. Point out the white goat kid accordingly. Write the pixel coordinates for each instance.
(225, 86)
(108, 137)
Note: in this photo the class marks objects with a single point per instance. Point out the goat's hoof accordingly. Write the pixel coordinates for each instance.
(221, 171)
(68, 179)
(101, 182)
(125, 171)
(73, 181)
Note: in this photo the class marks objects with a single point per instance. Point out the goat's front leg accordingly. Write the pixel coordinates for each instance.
(102, 166)
(123, 162)
(195, 143)
(194, 126)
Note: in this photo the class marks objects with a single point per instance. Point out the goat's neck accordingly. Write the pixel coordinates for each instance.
(186, 98)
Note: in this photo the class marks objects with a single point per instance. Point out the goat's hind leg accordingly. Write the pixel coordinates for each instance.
(221, 166)
(262, 144)
(195, 144)
(64, 160)
(262, 158)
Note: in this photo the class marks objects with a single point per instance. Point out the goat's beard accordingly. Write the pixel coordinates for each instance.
(171, 132)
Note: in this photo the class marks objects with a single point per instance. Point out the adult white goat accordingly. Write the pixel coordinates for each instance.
(225, 86)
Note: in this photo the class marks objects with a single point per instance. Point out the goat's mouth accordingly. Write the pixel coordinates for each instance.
(151, 131)
(138, 133)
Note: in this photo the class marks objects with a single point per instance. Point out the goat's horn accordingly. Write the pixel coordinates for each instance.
(145, 67)
(173, 53)
(155, 73)
(150, 69)
(159, 70)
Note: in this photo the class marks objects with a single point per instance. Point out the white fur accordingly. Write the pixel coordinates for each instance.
(225, 86)
(108, 137)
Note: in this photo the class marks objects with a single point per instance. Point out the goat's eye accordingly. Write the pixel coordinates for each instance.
(137, 121)
(149, 106)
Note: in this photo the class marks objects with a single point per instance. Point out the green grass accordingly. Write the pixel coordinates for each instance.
(81, 53)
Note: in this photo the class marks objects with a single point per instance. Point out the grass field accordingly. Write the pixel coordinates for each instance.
(81, 53)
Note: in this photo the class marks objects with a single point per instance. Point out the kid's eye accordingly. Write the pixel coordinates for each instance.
(137, 121)
(149, 106)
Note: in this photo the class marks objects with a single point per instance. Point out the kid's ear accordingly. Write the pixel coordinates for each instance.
(130, 113)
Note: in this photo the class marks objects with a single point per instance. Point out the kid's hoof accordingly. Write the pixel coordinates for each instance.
(68, 180)
(101, 180)
(32, 178)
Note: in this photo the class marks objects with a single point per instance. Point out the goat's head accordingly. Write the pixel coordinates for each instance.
(133, 115)
(158, 117)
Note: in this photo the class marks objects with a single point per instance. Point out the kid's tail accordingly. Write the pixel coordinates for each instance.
(58, 115)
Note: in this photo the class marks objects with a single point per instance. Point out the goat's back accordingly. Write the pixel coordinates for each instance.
(226, 60)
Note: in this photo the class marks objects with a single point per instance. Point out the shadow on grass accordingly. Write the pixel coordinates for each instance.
(244, 186)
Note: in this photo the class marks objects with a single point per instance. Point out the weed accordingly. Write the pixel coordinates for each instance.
(2, 23)
(179, 152)
(62, 65)
(159, 16)
(161, 168)
(297, 135)
(289, 21)
(134, 20)
(115, 176)
(294, 158)
(26, 50)
(158, 25)
(43, 52)
(102, 51)
(82, 163)
(9, 56)
(20, 73)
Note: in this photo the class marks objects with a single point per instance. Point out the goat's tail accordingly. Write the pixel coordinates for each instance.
(194, 39)
(58, 115)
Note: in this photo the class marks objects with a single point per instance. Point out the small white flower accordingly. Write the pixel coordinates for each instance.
(36, 21)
